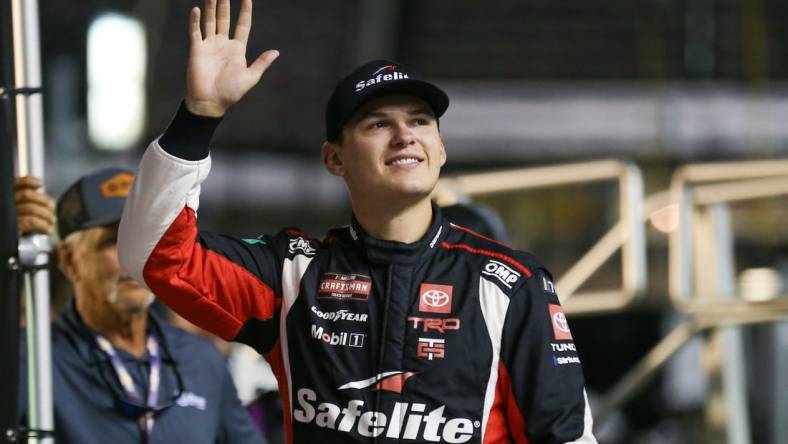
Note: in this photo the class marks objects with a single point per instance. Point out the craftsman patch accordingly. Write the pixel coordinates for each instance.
(345, 287)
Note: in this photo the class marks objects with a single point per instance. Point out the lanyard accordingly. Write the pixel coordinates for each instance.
(146, 420)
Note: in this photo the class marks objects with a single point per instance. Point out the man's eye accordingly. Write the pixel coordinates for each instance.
(378, 124)
(422, 122)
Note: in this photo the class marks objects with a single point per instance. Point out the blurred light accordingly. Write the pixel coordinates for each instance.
(760, 284)
(117, 57)
(666, 219)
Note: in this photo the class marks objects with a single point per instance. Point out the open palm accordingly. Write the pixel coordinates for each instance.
(218, 75)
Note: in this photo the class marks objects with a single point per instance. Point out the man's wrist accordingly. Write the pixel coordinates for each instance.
(204, 108)
(189, 135)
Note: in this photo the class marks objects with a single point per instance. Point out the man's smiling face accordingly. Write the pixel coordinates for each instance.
(390, 148)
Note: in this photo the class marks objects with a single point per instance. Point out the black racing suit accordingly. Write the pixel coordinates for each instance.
(453, 338)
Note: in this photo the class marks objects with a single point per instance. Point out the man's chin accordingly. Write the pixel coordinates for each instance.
(133, 301)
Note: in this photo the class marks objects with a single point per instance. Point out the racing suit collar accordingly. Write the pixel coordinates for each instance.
(393, 252)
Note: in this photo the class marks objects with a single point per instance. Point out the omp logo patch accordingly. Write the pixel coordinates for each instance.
(502, 272)
(346, 287)
(118, 185)
(434, 298)
(560, 325)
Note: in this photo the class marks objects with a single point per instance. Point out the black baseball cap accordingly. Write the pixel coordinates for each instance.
(93, 200)
(375, 79)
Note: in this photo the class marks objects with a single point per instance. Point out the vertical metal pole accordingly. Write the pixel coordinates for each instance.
(27, 74)
(33, 249)
(716, 276)
(780, 332)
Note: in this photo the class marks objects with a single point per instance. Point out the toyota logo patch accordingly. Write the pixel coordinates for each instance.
(560, 325)
(435, 298)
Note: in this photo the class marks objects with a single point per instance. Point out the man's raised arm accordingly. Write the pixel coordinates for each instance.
(217, 283)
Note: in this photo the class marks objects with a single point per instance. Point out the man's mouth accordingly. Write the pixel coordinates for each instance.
(403, 160)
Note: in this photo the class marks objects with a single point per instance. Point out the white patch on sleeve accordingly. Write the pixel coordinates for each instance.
(494, 304)
(292, 272)
(163, 186)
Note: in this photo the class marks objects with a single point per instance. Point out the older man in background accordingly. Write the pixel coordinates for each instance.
(120, 374)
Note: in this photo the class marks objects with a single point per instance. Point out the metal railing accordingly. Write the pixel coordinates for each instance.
(701, 271)
(702, 280)
(628, 233)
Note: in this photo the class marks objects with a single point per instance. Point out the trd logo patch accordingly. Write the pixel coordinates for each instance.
(345, 287)
(560, 325)
(439, 324)
(434, 298)
(431, 348)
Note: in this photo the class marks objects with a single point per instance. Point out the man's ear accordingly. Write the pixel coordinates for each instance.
(66, 261)
(330, 155)
(443, 153)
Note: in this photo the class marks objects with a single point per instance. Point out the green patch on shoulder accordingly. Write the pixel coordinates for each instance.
(254, 241)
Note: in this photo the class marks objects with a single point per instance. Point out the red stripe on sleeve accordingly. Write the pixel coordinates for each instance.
(203, 286)
(489, 253)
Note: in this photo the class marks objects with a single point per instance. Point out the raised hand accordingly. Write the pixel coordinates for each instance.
(217, 75)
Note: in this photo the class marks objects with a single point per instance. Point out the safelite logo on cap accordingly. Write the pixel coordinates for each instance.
(383, 74)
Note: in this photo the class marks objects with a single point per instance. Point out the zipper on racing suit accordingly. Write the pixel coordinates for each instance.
(382, 347)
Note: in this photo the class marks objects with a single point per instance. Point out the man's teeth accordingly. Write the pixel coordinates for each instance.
(405, 161)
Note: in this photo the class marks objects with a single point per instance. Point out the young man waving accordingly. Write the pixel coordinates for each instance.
(400, 327)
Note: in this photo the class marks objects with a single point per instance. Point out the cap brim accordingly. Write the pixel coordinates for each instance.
(435, 97)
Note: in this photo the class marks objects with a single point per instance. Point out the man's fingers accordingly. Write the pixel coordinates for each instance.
(27, 182)
(223, 18)
(209, 21)
(35, 210)
(262, 63)
(244, 22)
(195, 35)
(33, 225)
(30, 195)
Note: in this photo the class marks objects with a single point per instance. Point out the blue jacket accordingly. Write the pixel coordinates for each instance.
(204, 407)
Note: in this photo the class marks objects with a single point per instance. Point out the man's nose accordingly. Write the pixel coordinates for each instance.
(403, 136)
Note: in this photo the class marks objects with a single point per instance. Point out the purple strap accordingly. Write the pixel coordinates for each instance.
(154, 380)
